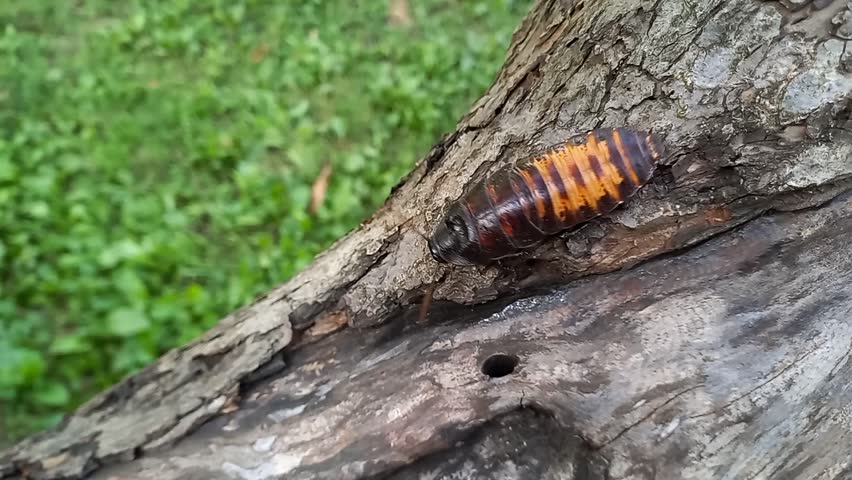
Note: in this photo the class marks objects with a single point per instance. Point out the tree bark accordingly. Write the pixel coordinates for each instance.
(701, 331)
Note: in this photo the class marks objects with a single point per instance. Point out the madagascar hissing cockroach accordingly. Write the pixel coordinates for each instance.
(521, 204)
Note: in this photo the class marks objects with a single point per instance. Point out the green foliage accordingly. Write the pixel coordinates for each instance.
(157, 157)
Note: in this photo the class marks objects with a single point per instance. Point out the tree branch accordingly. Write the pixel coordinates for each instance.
(740, 258)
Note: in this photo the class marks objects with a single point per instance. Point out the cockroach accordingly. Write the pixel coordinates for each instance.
(520, 205)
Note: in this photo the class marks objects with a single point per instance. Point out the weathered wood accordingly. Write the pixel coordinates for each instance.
(731, 360)
(726, 358)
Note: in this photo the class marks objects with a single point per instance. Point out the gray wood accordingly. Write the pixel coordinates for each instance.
(727, 361)
(701, 331)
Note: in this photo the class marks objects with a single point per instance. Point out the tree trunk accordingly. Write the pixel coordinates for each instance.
(703, 330)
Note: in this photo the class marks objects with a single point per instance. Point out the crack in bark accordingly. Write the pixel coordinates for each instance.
(653, 19)
(844, 358)
(648, 416)
(758, 387)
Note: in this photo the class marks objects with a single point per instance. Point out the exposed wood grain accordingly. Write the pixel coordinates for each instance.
(730, 360)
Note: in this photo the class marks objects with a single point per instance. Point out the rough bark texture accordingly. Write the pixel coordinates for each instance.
(714, 341)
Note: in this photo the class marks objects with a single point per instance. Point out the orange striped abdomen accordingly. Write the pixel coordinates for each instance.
(520, 205)
(591, 178)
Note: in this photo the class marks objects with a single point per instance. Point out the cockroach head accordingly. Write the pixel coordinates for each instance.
(451, 239)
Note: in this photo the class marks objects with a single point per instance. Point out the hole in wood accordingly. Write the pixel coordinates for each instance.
(499, 365)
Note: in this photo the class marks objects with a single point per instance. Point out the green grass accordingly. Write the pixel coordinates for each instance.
(156, 162)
